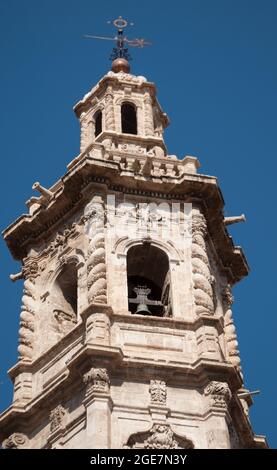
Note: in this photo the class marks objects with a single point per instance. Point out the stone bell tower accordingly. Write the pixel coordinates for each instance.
(126, 335)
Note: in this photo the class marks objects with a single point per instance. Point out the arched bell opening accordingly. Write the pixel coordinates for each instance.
(148, 281)
(128, 118)
(64, 295)
(98, 123)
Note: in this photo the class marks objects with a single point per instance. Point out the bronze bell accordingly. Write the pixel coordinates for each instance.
(142, 309)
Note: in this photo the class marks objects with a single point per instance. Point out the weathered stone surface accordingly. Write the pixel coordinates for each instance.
(126, 332)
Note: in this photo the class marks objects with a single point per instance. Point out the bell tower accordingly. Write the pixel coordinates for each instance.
(126, 335)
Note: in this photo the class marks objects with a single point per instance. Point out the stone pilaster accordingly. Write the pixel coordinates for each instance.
(148, 116)
(98, 406)
(219, 396)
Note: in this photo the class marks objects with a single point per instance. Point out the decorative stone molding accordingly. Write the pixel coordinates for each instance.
(15, 441)
(96, 262)
(202, 278)
(158, 392)
(160, 436)
(219, 393)
(27, 321)
(229, 328)
(96, 380)
(57, 418)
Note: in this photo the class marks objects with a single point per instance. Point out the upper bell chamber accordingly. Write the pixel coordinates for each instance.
(122, 113)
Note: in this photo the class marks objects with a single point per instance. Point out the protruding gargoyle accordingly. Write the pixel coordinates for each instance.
(46, 194)
(234, 220)
(16, 277)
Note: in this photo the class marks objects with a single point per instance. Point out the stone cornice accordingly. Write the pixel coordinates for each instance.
(29, 230)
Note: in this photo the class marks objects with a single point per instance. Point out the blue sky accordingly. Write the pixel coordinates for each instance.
(214, 63)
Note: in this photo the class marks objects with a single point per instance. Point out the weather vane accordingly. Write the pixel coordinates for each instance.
(122, 42)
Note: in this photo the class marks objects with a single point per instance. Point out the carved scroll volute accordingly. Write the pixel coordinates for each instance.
(15, 441)
(201, 272)
(229, 328)
(96, 260)
(27, 321)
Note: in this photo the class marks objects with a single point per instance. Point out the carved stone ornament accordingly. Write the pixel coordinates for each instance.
(158, 392)
(15, 441)
(64, 321)
(160, 436)
(219, 393)
(32, 269)
(96, 380)
(57, 418)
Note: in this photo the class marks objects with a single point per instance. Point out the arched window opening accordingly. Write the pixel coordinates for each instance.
(98, 123)
(148, 281)
(128, 119)
(64, 295)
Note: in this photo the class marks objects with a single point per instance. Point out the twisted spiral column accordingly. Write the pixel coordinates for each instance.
(27, 321)
(96, 263)
(201, 273)
(230, 330)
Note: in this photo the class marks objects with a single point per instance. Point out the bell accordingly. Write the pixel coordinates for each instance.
(142, 309)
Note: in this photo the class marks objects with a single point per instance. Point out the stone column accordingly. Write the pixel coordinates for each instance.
(148, 115)
(202, 278)
(96, 259)
(98, 406)
(27, 319)
(109, 111)
(218, 397)
(230, 330)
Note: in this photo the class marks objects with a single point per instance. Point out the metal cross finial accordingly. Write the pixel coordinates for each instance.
(121, 51)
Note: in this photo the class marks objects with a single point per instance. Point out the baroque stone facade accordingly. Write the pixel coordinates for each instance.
(126, 334)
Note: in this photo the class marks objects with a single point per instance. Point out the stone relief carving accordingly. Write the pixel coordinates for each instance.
(96, 380)
(160, 436)
(96, 261)
(229, 328)
(158, 392)
(57, 418)
(202, 278)
(64, 321)
(219, 393)
(15, 441)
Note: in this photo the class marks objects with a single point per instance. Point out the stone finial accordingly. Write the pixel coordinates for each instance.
(158, 392)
